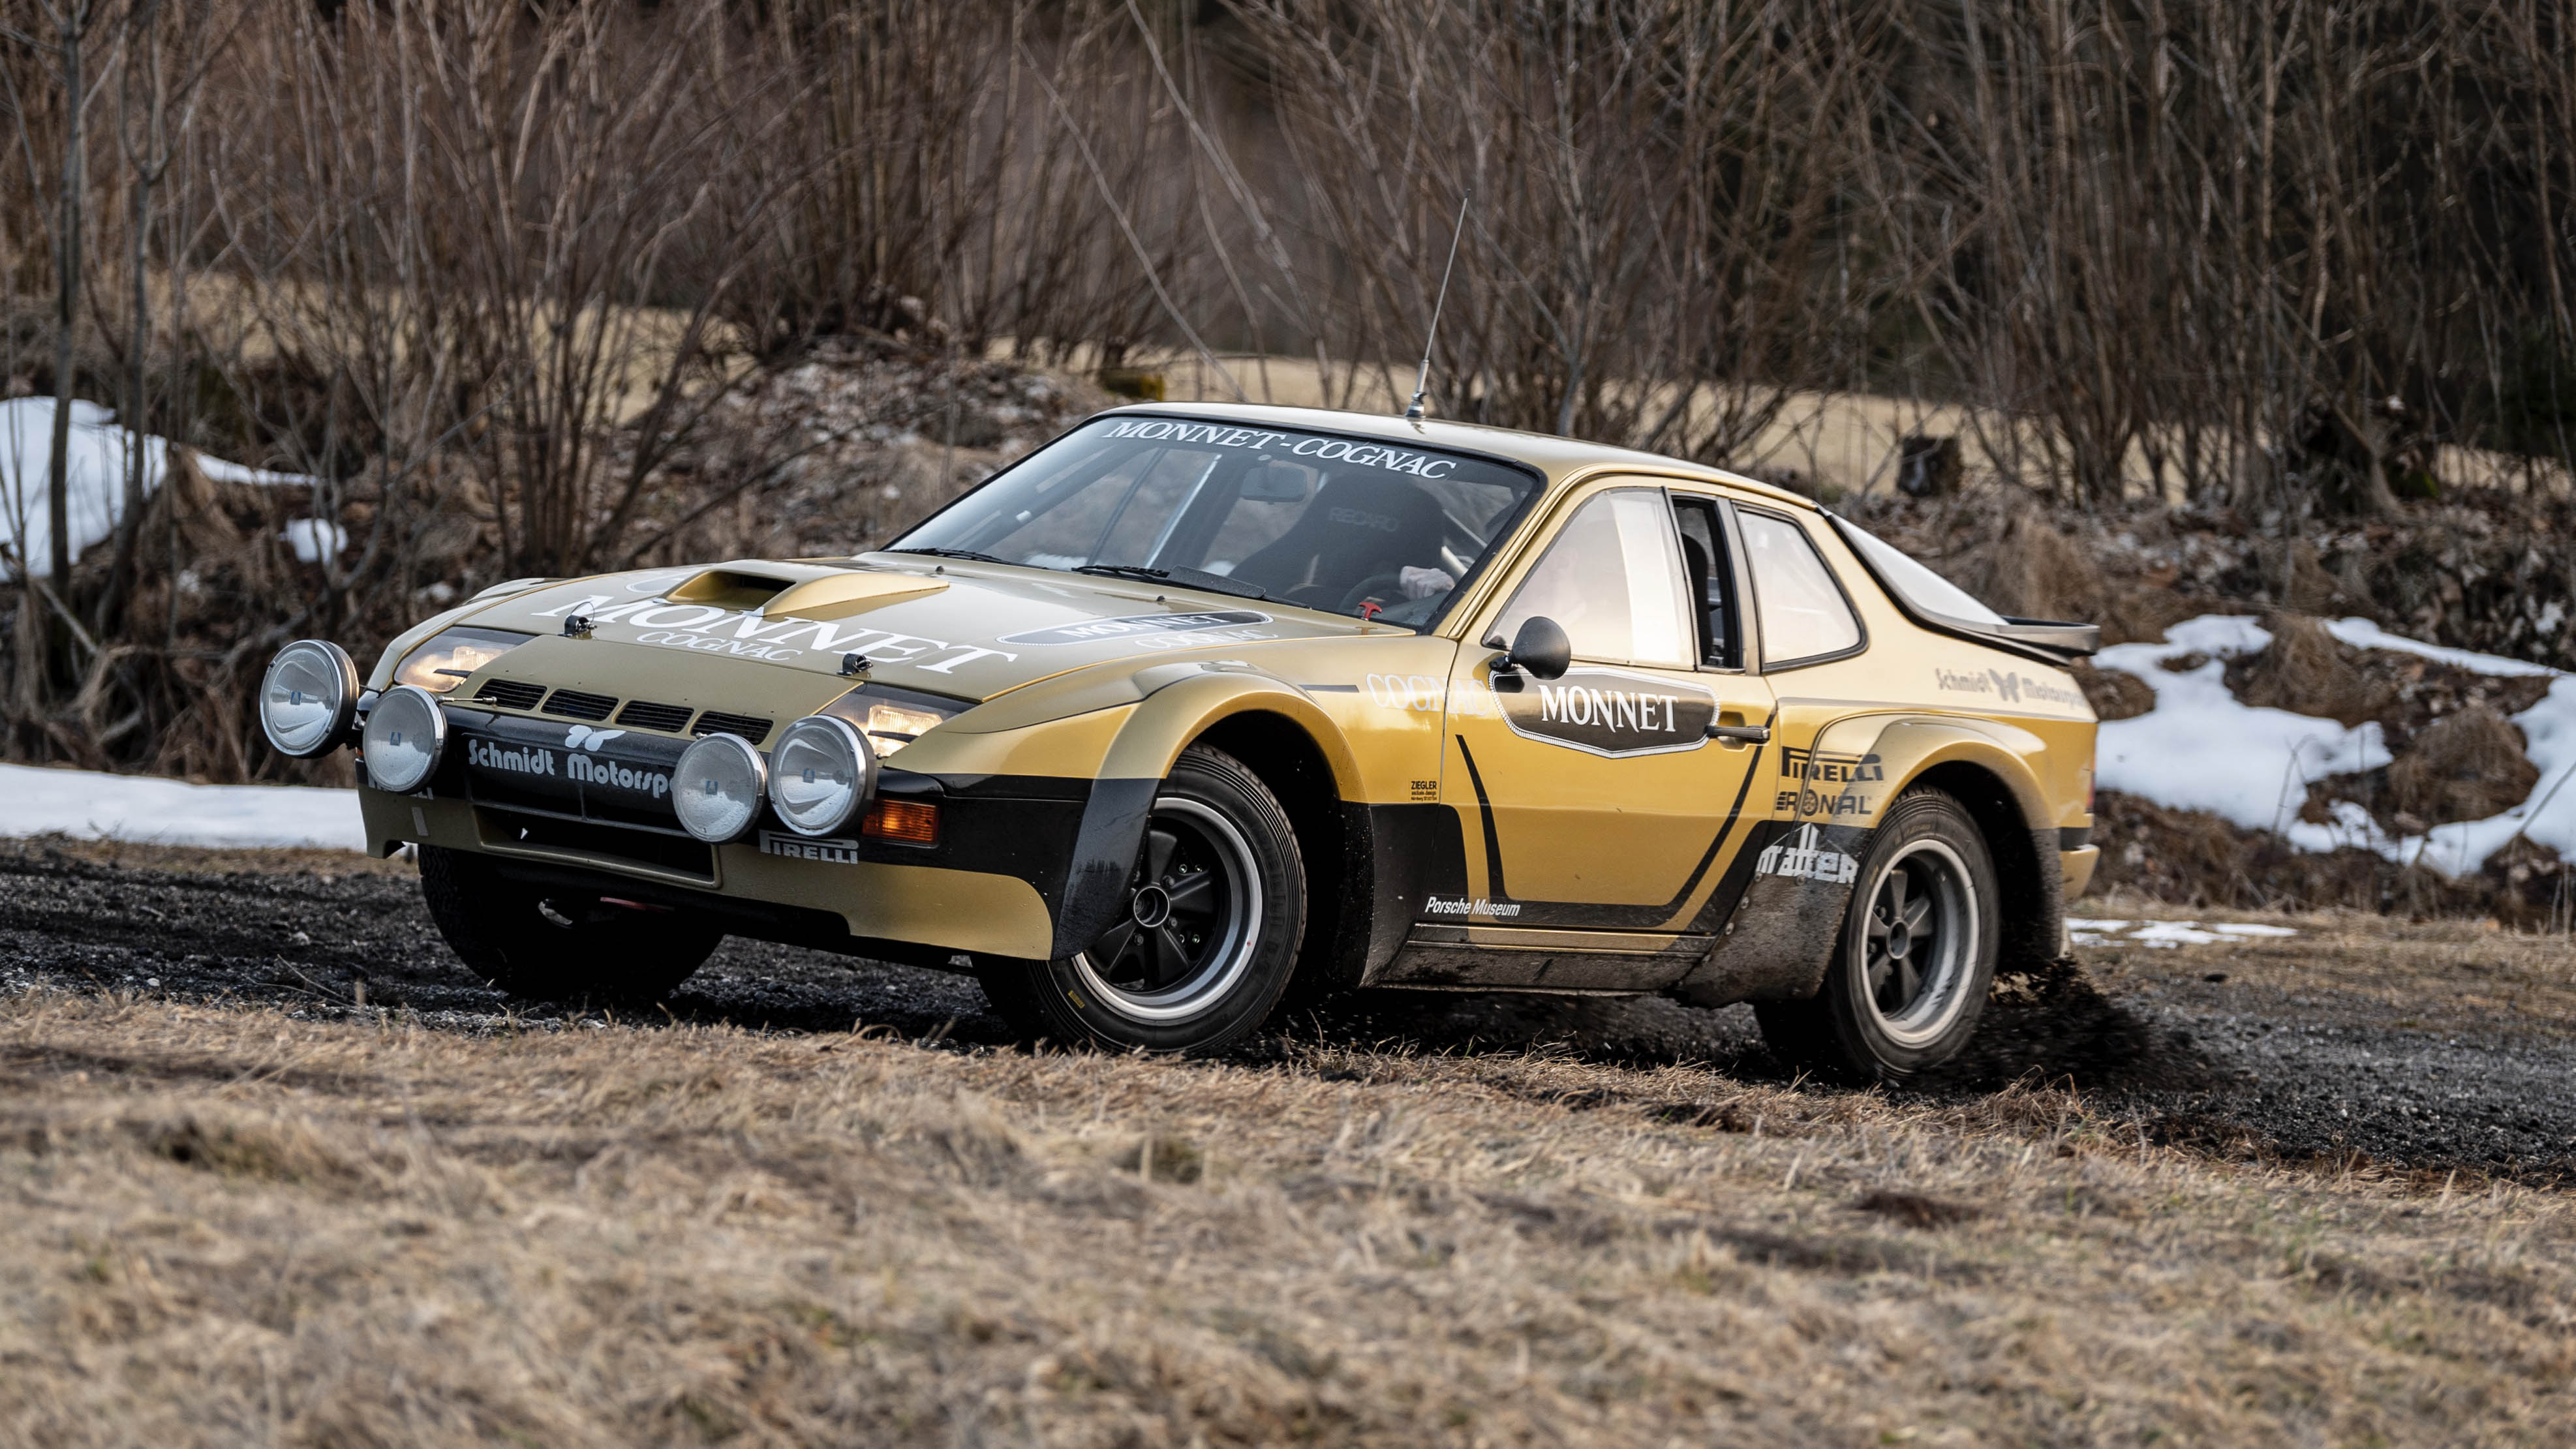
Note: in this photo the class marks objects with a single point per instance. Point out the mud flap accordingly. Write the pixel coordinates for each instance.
(1797, 873)
(1104, 861)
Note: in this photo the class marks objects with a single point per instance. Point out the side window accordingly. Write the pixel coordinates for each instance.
(1613, 582)
(1710, 574)
(1804, 613)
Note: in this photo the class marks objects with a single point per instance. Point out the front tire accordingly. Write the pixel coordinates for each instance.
(1910, 974)
(537, 945)
(1216, 910)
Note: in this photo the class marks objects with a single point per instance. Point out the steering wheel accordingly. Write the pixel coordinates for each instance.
(1378, 585)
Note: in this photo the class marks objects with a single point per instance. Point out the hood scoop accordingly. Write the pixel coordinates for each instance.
(779, 594)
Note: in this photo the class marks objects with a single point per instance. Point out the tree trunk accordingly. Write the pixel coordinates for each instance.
(66, 298)
(145, 159)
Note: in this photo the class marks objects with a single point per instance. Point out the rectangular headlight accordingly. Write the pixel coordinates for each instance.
(451, 656)
(890, 727)
(892, 718)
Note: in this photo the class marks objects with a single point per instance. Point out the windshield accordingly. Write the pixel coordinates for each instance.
(1928, 592)
(1374, 530)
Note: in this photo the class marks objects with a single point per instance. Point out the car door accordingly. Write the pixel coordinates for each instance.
(1598, 801)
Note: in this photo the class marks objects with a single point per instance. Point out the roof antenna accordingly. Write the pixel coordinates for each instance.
(1422, 379)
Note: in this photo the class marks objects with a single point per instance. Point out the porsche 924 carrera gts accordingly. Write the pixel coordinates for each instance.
(1200, 711)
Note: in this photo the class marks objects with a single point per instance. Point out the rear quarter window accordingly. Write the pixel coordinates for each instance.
(1805, 616)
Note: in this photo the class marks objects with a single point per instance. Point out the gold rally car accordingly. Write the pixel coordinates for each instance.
(1199, 711)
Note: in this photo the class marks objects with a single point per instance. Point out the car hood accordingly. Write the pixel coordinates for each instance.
(966, 630)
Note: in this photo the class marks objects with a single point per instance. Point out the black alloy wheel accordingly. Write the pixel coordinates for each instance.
(1216, 908)
(1909, 976)
(1184, 939)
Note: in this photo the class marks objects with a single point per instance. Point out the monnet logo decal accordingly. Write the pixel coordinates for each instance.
(1610, 712)
(1091, 630)
(1797, 857)
(751, 634)
(2006, 686)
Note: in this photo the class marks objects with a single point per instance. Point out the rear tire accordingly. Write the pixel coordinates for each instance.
(537, 945)
(1910, 973)
(1216, 909)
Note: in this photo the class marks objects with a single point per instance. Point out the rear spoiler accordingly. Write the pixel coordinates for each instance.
(2051, 641)
(2050, 636)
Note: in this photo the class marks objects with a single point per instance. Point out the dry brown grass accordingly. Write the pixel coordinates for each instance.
(227, 1226)
(2306, 671)
(2467, 766)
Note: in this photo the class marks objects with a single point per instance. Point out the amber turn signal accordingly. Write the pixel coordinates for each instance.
(907, 821)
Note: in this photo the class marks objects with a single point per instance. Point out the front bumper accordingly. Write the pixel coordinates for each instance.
(557, 805)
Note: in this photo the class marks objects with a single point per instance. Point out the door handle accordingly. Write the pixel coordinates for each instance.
(1741, 734)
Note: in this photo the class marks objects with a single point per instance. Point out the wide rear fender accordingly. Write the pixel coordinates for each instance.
(1914, 746)
(1970, 758)
(1780, 938)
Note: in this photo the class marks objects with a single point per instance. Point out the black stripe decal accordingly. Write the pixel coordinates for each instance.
(1493, 841)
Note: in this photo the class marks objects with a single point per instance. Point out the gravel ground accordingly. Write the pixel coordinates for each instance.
(2293, 1052)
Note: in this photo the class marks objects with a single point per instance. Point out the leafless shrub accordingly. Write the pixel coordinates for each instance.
(1653, 203)
(489, 273)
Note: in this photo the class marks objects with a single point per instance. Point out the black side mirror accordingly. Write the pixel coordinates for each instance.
(1540, 649)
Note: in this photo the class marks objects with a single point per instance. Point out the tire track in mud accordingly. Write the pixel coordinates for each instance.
(2274, 1081)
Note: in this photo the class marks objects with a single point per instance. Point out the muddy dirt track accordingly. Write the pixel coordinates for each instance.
(2437, 1050)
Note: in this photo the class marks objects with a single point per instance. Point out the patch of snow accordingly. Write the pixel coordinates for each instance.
(2166, 935)
(90, 806)
(2201, 748)
(314, 540)
(2363, 634)
(95, 469)
(2170, 934)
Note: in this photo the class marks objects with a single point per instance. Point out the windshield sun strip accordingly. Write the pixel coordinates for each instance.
(1504, 525)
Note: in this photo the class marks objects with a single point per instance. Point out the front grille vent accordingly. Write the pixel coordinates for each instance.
(573, 704)
(510, 694)
(714, 722)
(643, 714)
